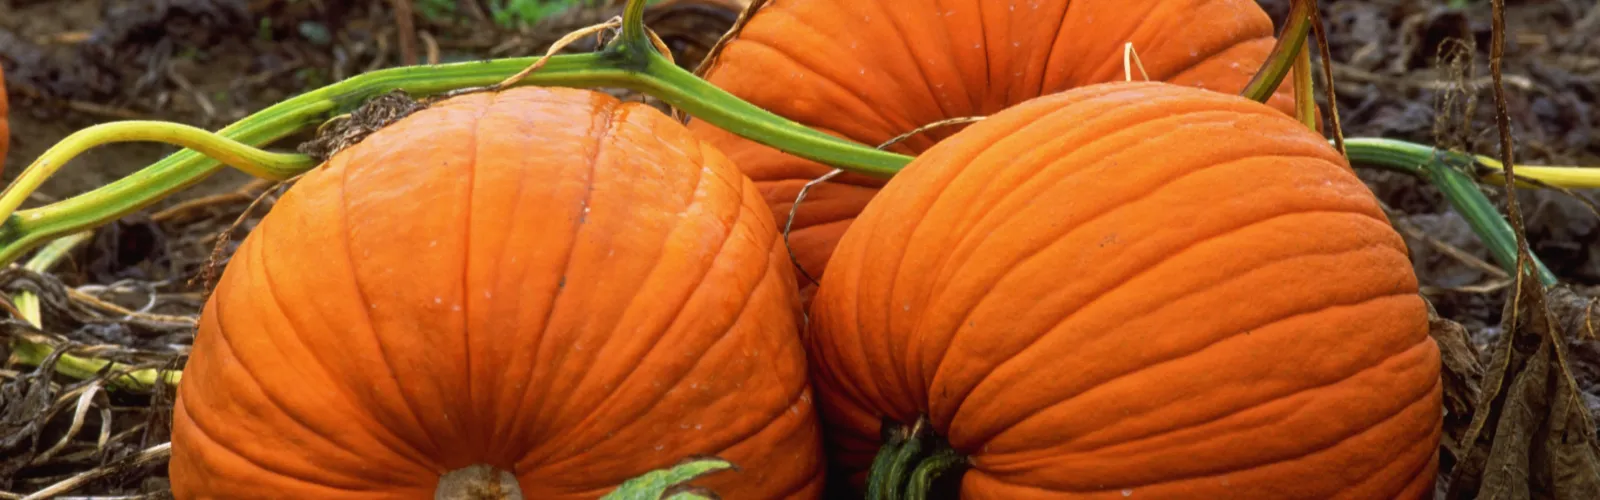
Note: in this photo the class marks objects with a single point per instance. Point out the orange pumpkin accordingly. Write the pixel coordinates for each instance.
(1139, 290)
(872, 70)
(548, 282)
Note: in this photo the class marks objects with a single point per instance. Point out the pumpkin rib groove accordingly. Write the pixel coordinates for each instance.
(976, 238)
(690, 369)
(226, 345)
(1419, 446)
(860, 393)
(1050, 51)
(943, 103)
(886, 344)
(598, 412)
(1243, 46)
(471, 176)
(957, 406)
(910, 52)
(498, 447)
(1130, 133)
(1073, 79)
(218, 445)
(1280, 397)
(882, 122)
(506, 392)
(1133, 33)
(362, 298)
(603, 130)
(743, 309)
(264, 258)
(919, 398)
(988, 68)
(1191, 425)
(1162, 40)
(261, 255)
(1022, 260)
(825, 373)
(1381, 424)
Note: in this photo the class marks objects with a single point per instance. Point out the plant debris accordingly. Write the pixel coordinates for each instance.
(348, 130)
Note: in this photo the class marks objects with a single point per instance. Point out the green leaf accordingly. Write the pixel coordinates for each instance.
(656, 484)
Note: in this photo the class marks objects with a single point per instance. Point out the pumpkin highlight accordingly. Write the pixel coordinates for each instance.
(548, 282)
(869, 71)
(1134, 289)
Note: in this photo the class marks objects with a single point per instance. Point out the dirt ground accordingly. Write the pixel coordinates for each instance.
(74, 63)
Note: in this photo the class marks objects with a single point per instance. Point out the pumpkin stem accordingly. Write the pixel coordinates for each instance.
(894, 475)
(911, 457)
(478, 482)
(921, 482)
(1290, 43)
(1305, 99)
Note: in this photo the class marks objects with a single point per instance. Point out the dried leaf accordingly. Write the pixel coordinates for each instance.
(1461, 372)
(1530, 435)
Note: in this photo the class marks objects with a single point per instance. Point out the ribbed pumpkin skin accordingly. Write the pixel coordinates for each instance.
(1135, 288)
(872, 70)
(548, 281)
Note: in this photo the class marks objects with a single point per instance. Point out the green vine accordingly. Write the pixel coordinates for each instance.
(630, 61)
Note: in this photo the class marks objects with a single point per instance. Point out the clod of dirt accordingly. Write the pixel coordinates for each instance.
(350, 130)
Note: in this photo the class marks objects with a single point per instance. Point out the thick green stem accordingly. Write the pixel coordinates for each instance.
(633, 24)
(876, 486)
(921, 482)
(894, 477)
(268, 165)
(1284, 53)
(1439, 168)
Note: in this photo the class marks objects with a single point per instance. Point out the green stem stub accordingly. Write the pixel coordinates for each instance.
(911, 459)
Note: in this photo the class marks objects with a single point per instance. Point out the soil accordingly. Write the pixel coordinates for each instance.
(71, 64)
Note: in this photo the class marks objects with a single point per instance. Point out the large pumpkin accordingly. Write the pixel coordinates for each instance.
(875, 69)
(1138, 290)
(545, 281)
